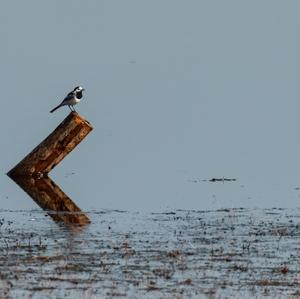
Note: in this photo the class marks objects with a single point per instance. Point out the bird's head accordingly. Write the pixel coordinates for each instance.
(78, 89)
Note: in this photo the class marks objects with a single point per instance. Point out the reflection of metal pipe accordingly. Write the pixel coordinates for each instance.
(52, 199)
(31, 174)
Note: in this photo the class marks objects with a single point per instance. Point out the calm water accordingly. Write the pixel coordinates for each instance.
(176, 254)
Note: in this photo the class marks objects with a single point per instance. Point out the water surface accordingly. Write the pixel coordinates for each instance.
(183, 253)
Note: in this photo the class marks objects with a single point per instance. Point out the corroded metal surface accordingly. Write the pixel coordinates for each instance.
(54, 148)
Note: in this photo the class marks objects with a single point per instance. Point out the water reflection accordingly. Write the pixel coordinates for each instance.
(52, 199)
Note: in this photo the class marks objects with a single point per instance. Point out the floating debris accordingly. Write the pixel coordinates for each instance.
(223, 179)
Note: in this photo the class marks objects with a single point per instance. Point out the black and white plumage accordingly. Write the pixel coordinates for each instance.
(73, 98)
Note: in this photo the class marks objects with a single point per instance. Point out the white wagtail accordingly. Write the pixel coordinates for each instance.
(73, 98)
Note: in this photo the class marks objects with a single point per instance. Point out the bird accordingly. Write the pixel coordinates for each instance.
(72, 98)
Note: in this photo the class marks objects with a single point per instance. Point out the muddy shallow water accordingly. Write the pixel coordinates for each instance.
(176, 254)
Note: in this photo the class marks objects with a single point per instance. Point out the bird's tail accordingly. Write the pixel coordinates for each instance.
(55, 108)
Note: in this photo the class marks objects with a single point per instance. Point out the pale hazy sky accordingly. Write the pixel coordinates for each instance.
(175, 90)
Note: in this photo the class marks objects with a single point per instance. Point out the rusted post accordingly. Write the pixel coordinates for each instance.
(31, 173)
(54, 148)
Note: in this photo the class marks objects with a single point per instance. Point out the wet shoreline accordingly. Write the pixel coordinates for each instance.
(209, 254)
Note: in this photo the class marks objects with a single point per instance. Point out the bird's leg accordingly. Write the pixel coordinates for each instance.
(70, 107)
